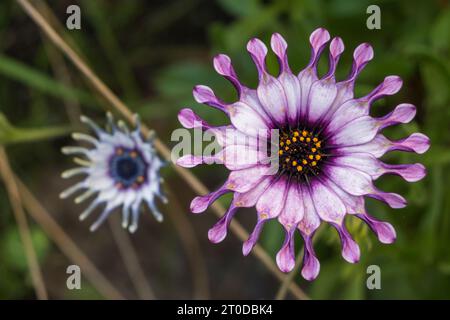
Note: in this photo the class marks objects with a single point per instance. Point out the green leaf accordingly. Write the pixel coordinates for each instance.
(28, 76)
(10, 134)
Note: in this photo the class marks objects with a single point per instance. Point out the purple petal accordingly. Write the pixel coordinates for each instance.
(190, 120)
(201, 203)
(293, 210)
(279, 47)
(361, 56)
(246, 120)
(219, 231)
(353, 181)
(223, 66)
(271, 202)
(336, 50)
(353, 204)
(350, 249)
(258, 52)
(416, 142)
(246, 179)
(362, 161)
(273, 99)
(321, 97)
(289, 82)
(384, 230)
(358, 131)
(204, 94)
(248, 245)
(190, 161)
(311, 265)
(403, 113)
(394, 200)
(270, 91)
(307, 76)
(409, 172)
(317, 39)
(286, 255)
(390, 86)
(311, 220)
(293, 93)
(328, 205)
(358, 183)
(249, 198)
(237, 157)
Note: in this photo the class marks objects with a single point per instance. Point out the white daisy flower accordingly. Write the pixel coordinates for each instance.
(121, 170)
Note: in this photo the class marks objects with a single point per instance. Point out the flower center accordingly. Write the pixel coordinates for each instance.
(128, 168)
(300, 152)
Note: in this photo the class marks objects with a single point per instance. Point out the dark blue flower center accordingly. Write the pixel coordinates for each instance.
(128, 168)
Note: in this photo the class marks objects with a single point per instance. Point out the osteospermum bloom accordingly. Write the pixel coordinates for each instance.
(328, 149)
(122, 170)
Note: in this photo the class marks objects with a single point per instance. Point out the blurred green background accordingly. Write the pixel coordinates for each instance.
(152, 53)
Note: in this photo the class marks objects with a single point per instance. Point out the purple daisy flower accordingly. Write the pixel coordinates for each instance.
(328, 149)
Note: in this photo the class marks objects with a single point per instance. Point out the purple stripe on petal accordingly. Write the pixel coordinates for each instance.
(204, 94)
(219, 231)
(403, 113)
(383, 230)
(311, 265)
(286, 255)
(350, 249)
